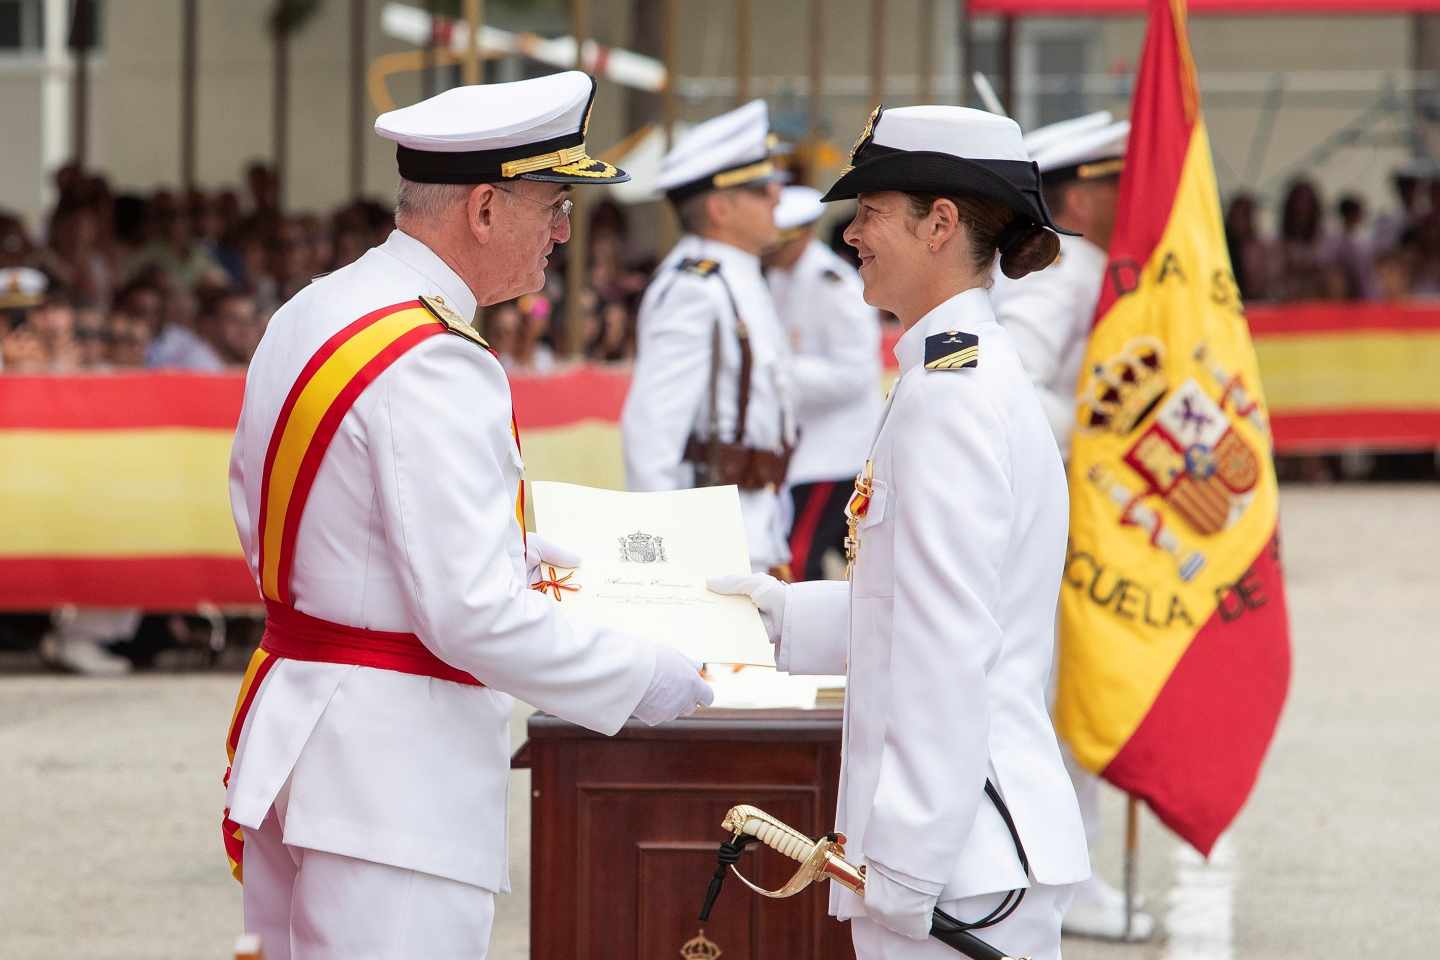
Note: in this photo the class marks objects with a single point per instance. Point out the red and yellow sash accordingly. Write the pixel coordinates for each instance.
(326, 389)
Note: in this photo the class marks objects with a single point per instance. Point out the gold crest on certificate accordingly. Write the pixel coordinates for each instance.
(644, 560)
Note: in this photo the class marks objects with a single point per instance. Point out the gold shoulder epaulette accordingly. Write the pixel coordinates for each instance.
(453, 321)
(952, 350)
(699, 267)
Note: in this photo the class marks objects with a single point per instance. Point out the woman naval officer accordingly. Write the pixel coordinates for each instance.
(958, 528)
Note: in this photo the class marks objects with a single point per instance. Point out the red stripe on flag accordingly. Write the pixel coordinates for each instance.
(1197, 753)
(121, 400)
(320, 443)
(564, 399)
(1330, 430)
(152, 583)
(1154, 158)
(1341, 318)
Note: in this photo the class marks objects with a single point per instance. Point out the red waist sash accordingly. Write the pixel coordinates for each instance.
(299, 636)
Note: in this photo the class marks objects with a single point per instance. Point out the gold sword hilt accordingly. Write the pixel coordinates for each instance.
(822, 859)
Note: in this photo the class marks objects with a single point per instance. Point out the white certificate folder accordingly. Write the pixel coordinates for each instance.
(644, 559)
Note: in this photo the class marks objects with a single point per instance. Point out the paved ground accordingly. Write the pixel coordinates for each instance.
(109, 790)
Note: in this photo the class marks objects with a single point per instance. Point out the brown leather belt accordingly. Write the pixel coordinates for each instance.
(749, 468)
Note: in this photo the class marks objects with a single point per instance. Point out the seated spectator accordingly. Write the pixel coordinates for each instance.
(1249, 253)
(128, 339)
(91, 335)
(53, 322)
(1350, 249)
(533, 352)
(502, 331)
(229, 324)
(614, 337)
(178, 345)
(1393, 226)
(1301, 268)
(1392, 274)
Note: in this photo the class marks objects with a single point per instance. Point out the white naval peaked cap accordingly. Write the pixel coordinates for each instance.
(486, 133)
(725, 151)
(1041, 137)
(1088, 155)
(946, 150)
(798, 207)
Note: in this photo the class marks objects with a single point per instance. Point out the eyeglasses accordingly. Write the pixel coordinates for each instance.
(559, 212)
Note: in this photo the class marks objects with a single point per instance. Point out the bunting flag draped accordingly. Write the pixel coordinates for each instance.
(1174, 655)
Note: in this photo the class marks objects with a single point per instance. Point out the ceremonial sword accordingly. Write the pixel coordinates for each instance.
(822, 859)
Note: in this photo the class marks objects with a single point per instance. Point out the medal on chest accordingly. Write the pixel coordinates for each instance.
(855, 511)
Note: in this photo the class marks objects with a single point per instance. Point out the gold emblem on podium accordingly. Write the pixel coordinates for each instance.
(700, 948)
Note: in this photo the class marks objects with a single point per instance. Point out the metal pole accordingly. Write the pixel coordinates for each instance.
(967, 51)
(1007, 64)
(474, 17)
(577, 264)
(925, 62)
(357, 98)
(1132, 859)
(280, 114)
(742, 51)
(189, 42)
(877, 51)
(817, 66)
(669, 227)
(429, 80)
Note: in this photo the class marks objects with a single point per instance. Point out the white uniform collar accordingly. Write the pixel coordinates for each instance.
(426, 262)
(966, 311)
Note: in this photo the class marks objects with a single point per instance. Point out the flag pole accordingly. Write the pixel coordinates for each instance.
(1132, 859)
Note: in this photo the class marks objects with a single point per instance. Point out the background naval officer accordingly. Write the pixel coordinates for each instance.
(959, 526)
(835, 368)
(1048, 316)
(371, 744)
(709, 402)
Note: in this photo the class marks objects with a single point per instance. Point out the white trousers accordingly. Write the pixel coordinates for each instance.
(311, 905)
(1032, 931)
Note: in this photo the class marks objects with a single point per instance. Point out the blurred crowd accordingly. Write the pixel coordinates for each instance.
(188, 280)
(1319, 252)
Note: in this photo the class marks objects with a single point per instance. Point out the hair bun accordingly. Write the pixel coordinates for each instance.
(1033, 248)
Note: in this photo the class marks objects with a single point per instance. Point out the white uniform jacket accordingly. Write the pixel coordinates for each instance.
(410, 527)
(669, 398)
(946, 629)
(1048, 316)
(835, 364)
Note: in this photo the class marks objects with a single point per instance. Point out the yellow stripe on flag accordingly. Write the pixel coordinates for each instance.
(1365, 370)
(97, 493)
(316, 398)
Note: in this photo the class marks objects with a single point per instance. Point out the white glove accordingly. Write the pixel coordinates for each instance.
(538, 550)
(767, 593)
(675, 688)
(895, 901)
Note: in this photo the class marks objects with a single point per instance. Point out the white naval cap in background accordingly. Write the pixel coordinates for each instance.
(486, 133)
(730, 150)
(1091, 148)
(798, 207)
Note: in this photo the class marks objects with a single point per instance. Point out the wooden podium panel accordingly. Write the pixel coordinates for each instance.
(624, 832)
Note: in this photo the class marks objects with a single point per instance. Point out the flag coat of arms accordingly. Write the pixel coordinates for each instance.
(1174, 659)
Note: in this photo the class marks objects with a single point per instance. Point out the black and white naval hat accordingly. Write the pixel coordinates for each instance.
(730, 150)
(485, 133)
(1091, 147)
(943, 149)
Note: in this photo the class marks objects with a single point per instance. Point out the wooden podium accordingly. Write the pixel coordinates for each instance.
(624, 832)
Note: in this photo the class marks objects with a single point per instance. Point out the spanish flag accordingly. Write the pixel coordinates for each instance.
(1174, 658)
